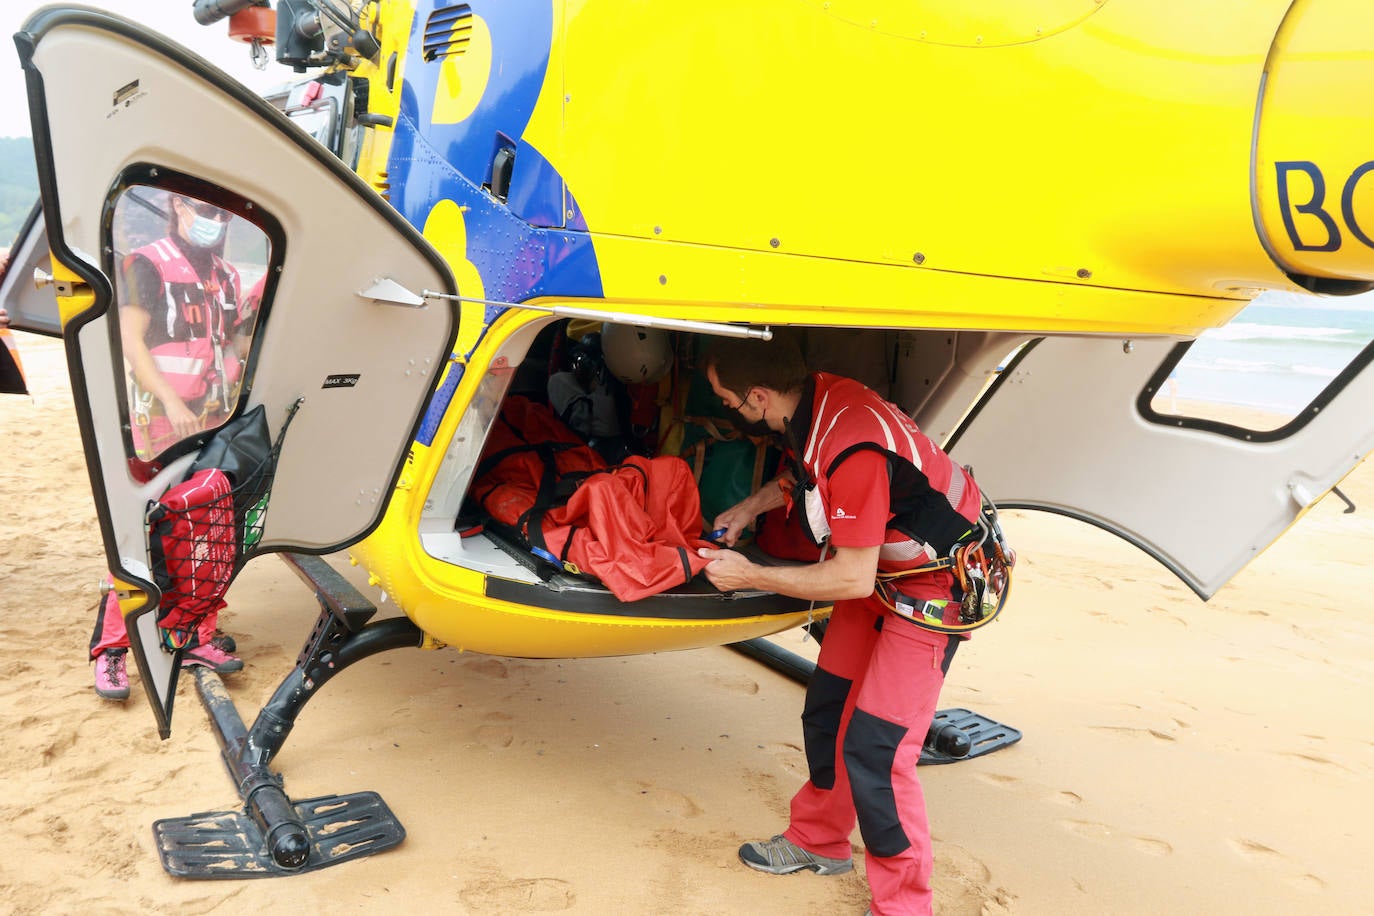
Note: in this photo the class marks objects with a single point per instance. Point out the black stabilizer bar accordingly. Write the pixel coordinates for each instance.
(278, 716)
(341, 637)
(776, 657)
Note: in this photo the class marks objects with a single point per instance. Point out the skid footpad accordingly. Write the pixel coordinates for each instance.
(229, 845)
(984, 735)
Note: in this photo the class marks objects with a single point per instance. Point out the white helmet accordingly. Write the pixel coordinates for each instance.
(636, 355)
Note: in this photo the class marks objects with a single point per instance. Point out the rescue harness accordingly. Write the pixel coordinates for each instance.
(981, 564)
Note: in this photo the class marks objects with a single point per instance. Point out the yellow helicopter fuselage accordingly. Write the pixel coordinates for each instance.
(1056, 168)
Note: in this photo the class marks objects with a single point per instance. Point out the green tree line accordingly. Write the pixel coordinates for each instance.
(18, 186)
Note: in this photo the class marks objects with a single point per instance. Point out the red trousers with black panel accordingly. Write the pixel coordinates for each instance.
(868, 708)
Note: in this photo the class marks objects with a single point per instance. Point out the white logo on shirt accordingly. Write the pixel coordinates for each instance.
(840, 513)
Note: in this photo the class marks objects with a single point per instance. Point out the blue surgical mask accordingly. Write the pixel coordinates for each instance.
(205, 232)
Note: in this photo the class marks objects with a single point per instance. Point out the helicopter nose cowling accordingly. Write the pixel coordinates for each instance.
(1313, 155)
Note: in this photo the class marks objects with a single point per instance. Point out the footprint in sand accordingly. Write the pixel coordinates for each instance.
(735, 683)
(1314, 761)
(56, 748)
(489, 667)
(1088, 829)
(500, 894)
(767, 787)
(791, 757)
(1249, 849)
(669, 801)
(495, 737)
(1166, 615)
(1134, 732)
(959, 861)
(56, 829)
(1269, 858)
(496, 734)
(1015, 783)
(1000, 780)
(1151, 846)
(1091, 830)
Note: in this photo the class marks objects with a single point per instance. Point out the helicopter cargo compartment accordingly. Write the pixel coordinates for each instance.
(623, 396)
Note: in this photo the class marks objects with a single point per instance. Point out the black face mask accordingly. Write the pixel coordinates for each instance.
(752, 428)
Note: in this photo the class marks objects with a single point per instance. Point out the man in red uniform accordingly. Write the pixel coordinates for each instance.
(889, 499)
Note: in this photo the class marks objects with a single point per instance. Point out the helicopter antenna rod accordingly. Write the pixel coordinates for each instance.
(639, 321)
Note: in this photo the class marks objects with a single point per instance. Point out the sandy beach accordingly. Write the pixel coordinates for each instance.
(1179, 756)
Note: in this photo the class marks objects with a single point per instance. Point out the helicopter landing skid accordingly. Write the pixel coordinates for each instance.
(229, 844)
(272, 835)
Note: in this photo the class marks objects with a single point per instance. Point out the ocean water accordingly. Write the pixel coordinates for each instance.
(1279, 353)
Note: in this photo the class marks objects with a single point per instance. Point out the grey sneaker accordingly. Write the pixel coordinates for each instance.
(780, 856)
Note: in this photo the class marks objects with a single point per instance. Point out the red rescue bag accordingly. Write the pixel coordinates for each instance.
(194, 547)
(636, 528)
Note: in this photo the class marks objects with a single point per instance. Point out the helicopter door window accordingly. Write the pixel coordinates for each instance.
(189, 279)
(1275, 362)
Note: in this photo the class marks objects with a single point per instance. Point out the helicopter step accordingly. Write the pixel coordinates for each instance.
(272, 835)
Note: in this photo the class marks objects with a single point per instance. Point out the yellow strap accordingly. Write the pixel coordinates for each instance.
(932, 566)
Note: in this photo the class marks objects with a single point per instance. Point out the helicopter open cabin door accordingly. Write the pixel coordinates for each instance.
(1081, 426)
(249, 348)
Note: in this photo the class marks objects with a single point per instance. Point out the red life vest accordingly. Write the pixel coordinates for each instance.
(201, 364)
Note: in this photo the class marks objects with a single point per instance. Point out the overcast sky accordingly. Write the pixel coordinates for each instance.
(172, 18)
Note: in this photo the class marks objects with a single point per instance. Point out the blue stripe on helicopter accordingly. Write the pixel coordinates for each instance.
(533, 245)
